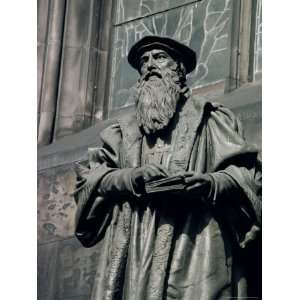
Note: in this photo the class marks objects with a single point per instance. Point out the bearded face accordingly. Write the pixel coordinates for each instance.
(158, 90)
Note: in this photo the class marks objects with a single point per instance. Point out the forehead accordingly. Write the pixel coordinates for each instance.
(155, 51)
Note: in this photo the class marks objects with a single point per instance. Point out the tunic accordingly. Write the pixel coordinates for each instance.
(173, 247)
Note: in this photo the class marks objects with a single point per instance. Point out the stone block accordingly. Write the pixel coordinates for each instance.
(72, 106)
(66, 270)
(56, 207)
(42, 19)
(75, 271)
(46, 270)
(78, 18)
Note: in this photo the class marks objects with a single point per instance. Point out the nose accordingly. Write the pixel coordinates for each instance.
(150, 64)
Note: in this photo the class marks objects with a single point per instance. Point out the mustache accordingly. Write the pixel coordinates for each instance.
(148, 74)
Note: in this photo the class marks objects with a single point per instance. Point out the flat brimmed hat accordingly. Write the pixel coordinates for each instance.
(177, 50)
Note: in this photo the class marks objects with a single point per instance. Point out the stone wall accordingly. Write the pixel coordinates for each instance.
(65, 269)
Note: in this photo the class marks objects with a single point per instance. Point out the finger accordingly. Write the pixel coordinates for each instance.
(197, 177)
(192, 179)
(188, 174)
(195, 186)
(147, 175)
(189, 179)
(161, 169)
(80, 169)
(81, 181)
(73, 193)
(154, 172)
(181, 174)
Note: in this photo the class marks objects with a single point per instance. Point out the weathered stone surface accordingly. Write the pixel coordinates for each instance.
(258, 39)
(50, 35)
(56, 208)
(42, 19)
(100, 86)
(66, 270)
(73, 110)
(70, 37)
(204, 26)
(78, 67)
(71, 148)
(46, 270)
(75, 270)
(40, 67)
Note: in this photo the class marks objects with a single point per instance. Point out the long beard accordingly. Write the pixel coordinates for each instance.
(157, 100)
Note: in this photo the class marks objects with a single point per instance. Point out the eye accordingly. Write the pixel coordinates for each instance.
(144, 59)
(161, 56)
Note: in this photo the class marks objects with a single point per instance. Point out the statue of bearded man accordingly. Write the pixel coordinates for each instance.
(173, 192)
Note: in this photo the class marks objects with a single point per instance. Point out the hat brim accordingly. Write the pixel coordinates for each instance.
(177, 50)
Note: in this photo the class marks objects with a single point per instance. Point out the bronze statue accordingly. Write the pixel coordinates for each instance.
(173, 194)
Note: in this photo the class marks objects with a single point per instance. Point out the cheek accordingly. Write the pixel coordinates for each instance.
(143, 69)
(171, 65)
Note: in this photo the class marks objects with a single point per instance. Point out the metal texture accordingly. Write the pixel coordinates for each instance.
(173, 196)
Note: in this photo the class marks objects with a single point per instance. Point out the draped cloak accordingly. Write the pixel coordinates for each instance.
(174, 247)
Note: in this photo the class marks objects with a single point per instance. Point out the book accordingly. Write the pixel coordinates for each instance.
(173, 183)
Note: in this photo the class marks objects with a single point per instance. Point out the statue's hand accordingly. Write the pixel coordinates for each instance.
(199, 183)
(147, 173)
(150, 172)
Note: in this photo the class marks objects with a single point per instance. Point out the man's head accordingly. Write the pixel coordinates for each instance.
(163, 64)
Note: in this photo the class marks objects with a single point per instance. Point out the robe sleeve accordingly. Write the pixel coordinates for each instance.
(237, 174)
(94, 210)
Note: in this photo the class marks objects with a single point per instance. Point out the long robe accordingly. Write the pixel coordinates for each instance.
(174, 247)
